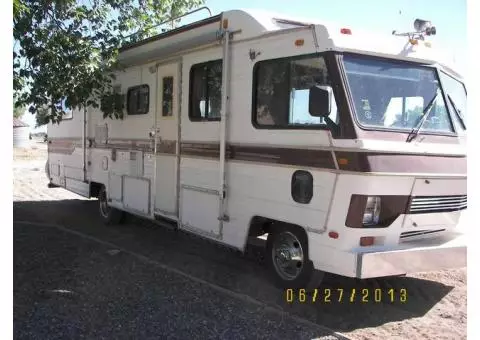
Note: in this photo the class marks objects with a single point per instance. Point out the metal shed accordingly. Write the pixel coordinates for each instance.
(21, 131)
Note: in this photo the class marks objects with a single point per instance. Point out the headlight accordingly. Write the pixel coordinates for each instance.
(371, 215)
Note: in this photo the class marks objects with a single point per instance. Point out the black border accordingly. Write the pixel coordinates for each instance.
(190, 87)
(163, 94)
(441, 71)
(254, 95)
(405, 62)
(133, 88)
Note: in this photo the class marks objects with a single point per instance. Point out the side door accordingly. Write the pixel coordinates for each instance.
(200, 147)
(166, 137)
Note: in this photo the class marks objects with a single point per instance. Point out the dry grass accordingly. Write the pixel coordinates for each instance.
(36, 151)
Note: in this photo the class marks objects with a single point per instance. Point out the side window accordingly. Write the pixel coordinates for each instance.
(167, 97)
(456, 99)
(138, 100)
(68, 112)
(282, 89)
(205, 91)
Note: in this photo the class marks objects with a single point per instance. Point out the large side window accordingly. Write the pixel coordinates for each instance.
(205, 91)
(138, 100)
(281, 90)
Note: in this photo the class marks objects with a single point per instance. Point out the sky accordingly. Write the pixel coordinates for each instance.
(448, 16)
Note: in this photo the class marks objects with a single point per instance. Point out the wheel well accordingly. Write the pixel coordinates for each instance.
(260, 225)
(95, 189)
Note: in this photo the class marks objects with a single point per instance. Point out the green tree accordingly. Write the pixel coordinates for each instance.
(65, 51)
(18, 111)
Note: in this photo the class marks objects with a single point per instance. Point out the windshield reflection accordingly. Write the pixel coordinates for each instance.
(392, 95)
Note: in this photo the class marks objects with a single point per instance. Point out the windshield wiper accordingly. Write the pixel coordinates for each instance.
(457, 112)
(425, 113)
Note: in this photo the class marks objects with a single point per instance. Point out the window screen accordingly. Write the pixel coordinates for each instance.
(138, 100)
(206, 91)
(282, 89)
(167, 97)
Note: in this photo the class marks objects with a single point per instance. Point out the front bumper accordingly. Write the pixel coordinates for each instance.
(415, 256)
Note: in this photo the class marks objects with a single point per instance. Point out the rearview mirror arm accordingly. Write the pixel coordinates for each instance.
(332, 126)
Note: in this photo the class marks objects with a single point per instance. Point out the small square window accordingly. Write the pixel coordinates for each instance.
(138, 100)
(206, 91)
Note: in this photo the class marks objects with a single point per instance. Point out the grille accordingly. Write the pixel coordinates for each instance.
(432, 204)
(413, 233)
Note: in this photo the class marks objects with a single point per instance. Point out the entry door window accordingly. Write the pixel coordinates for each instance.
(167, 97)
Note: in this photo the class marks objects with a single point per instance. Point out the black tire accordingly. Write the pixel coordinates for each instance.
(108, 214)
(47, 171)
(307, 276)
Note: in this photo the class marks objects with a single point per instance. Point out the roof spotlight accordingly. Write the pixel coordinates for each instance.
(424, 26)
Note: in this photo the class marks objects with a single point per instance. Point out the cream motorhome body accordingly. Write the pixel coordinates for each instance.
(347, 149)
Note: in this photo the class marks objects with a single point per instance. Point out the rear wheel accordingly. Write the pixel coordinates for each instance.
(109, 214)
(47, 170)
(287, 255)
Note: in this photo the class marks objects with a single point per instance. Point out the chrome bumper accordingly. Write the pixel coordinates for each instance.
(415, 256)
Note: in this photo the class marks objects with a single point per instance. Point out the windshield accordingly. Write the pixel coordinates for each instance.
(392, 95)
(456, 97)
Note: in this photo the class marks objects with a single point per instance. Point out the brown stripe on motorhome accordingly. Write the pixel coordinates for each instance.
(126, 144)
(261, 154)
(167, 147)
(145, 145)
(199, 149)
(65, 146)
(401, 163)
(355, 161)
(288, 156)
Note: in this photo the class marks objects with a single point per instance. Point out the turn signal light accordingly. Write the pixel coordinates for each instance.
(333, 234)
(367, 241)
(299, 42)
(413, 41)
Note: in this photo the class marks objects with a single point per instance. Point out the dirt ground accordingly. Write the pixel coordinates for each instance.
(74, 277)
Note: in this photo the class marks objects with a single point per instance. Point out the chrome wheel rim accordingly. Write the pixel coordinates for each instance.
(287, 255)
(104, 208)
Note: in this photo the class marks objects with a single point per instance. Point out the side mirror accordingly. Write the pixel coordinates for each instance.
(320, 101)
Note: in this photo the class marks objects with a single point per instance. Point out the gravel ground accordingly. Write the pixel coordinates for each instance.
(139, 280)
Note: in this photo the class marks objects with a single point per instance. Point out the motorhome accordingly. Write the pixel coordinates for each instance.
(345, 149)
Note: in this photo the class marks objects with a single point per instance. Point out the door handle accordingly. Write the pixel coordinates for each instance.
(153, 132)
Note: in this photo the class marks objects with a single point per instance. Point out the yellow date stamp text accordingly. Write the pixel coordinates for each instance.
(351, 295)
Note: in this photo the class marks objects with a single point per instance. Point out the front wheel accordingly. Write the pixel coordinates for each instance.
(109, 215)
(287, 257)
